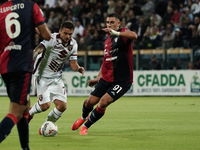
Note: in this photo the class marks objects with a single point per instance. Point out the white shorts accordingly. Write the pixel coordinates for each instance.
(50, 89)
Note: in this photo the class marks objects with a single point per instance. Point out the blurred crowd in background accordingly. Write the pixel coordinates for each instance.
(159, 24)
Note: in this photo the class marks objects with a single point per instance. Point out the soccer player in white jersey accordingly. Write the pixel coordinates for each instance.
(49, 59)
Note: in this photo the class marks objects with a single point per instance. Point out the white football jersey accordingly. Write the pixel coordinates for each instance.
(49, 64)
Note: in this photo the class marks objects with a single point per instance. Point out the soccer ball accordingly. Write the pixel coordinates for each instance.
(49, 129)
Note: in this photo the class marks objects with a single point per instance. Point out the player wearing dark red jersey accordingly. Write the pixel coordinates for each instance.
(18, 20)
(115, 76)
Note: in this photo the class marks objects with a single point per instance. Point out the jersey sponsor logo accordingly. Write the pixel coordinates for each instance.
(114, 50)
(60, 47)
(12, 8)
(13, 47)
(112, 58)
(106, 52)
(70, 47)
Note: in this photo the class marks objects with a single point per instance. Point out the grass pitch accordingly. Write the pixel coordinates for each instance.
(131, 123)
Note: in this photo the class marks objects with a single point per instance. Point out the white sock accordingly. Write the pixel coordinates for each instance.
(35, 109)
(54, 115)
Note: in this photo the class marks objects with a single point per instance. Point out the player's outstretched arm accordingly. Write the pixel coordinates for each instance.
(75, 67)
(44, 31)
(127, 34)
(39, 49)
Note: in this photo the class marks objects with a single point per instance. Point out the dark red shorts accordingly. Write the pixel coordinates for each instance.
(18, 86)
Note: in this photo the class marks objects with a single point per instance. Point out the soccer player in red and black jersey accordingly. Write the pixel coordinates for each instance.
(115, 76)
(18, 20)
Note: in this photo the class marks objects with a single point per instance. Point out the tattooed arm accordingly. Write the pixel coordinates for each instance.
(39, 49)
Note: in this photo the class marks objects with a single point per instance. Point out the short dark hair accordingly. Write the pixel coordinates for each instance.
(67, 24)
(114, 15)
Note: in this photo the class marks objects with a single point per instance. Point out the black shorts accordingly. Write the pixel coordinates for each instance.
(114, 89)
(18, 86)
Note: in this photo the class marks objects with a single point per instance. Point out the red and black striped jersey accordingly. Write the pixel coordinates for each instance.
(118, 59)
(18, 20)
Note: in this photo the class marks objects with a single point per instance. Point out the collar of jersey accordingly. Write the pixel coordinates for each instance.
(60, 42)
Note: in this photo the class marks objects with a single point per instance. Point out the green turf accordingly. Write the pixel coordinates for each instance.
(131, 123)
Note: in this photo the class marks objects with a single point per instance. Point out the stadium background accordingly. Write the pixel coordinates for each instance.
(167, 29)
(139, 123)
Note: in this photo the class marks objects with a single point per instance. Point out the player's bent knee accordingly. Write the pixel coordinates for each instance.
(91, 101)
(62, 107)
(102, 105)
(45, 106)
(89, 105)
(17, 110)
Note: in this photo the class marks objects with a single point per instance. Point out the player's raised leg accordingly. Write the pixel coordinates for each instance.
(84, 117)
(37, 108)
(43, 96)
(87, 108)
(59, 98)
(97, 113)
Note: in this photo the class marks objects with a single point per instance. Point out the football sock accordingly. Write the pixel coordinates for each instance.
(85, 110)
(35, 109)
(6, 125)
(54, 115)
(23, 131)
(95, 116)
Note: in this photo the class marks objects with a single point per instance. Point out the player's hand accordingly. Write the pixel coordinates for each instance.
(92, 82)
(111, 31)
(81, 70)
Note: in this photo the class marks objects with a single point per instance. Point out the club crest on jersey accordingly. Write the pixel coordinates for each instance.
(106, 52)
(70, 47)
(40, 97)
(116, 39)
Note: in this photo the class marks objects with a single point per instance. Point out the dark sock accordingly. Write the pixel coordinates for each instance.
(23, 131)
(86, 110)
(6, 125)
(95, 116)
